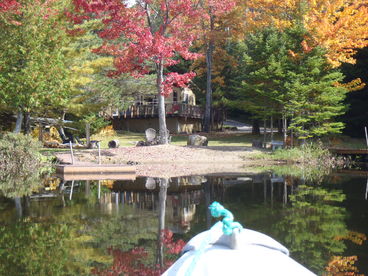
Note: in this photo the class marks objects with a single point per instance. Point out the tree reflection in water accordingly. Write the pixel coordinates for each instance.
(312, 224)
(33, 248)
(120, 227)
(134, 261)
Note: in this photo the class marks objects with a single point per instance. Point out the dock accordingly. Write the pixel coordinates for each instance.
(345, 151)
(96, 172)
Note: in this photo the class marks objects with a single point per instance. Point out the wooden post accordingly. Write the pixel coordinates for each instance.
(88, 135)
(71, 151)
(71, 191)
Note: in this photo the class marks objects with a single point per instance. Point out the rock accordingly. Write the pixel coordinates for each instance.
(140, 144)
(113, 144)
(197, 140)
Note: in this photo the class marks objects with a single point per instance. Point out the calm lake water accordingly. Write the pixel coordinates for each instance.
(98, 227)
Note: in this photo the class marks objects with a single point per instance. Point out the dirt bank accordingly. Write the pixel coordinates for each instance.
(170, 160)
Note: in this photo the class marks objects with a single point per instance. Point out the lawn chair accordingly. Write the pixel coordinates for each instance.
(168, 136)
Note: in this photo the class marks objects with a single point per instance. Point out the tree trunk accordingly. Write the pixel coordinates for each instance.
(40, 132)
(18, 206)
(284, 120)
(279, 126)
(62, 132)
(209, 54)
(271, 126)
(255, 127)
(27, 122)
(19, 122)
(264, 132)
(164, 139)
(88, 135)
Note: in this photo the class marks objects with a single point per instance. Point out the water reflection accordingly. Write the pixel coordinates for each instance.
(312, 224)
(109, 223)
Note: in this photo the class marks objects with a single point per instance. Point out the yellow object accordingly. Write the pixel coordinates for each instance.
(51, 136)
(51, 183)
(108, 183)
(107, 131)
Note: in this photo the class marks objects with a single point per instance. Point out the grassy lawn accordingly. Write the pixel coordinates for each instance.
(217, 139)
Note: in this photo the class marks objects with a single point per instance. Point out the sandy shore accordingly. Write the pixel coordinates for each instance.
(171, 161)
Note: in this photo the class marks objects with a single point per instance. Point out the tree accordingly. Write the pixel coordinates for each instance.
(339, 26)
(146, 38)
(280, 76)
(33, 75)
(212, 32)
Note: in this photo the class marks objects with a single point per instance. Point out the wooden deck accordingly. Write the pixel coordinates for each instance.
(349, 151)
(172, 109)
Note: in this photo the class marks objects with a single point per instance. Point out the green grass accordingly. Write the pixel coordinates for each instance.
(215, 139)
(220, 139)
(128, 139)
(125, 139)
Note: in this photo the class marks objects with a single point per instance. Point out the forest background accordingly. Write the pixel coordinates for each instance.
(301, 62)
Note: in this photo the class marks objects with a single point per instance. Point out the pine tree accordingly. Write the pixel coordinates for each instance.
(280, 76)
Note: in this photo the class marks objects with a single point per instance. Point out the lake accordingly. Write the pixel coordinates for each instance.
(107, 227)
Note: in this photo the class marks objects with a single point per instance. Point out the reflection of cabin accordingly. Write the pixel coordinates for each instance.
(182, 113)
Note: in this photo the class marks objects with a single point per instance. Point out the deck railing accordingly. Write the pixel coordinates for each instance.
(172, 109)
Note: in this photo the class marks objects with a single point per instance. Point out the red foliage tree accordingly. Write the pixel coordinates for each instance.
(8, 8)
(8, 5)
(146, 38)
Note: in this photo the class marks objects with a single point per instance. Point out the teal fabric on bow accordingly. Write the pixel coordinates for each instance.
(217, 210)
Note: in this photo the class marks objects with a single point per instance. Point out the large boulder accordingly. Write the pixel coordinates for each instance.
(197, 140)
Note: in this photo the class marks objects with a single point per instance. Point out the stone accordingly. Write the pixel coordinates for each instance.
(197, 140)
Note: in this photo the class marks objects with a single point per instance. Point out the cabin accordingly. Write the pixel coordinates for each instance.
(182, 113)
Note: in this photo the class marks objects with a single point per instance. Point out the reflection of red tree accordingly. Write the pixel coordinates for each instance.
(132, 262)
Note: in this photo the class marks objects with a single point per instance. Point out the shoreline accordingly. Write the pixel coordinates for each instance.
(172, 160)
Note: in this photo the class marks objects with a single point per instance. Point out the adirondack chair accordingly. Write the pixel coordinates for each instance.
(168, 136)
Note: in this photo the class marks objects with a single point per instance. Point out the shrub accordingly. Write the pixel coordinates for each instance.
(21, 165)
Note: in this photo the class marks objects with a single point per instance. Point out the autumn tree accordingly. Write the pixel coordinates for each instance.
(33, 74)
(92, 92)
(213, 32)
(147, 38)
(339, 26)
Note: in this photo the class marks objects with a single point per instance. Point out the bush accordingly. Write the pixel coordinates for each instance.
(21, 165)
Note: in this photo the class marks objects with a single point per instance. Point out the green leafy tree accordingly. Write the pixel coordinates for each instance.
(33, 73)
